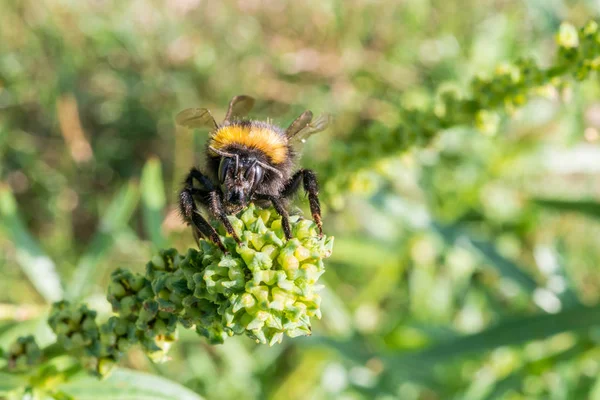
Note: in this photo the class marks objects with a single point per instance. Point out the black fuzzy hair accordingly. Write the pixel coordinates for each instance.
(272, 183)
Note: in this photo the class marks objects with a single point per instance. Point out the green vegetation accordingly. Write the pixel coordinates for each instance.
(460, 180)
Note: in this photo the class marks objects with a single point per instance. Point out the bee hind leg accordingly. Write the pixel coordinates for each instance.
(309, 181)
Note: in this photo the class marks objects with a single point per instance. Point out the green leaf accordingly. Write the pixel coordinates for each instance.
(153, 200)
(595, 392)
(568, 297)
(339, 318)
(516, 379)
(507, 268)
(586, 207)
(125, 384)
(418, 365)
(361, 251)
(115, 219)
(507, 333)
(10, 382)
(36, 265)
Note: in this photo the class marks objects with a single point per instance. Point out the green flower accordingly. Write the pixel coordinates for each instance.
(567, 36)
(127, 292)
(487, 122)
(265, 288)
(146, 314)
(23, 354)
(75, 326)
(117, 335)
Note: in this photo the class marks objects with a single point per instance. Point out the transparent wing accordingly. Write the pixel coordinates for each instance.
(196, 118)
(299, 123)
(239, 107)
(299, 136)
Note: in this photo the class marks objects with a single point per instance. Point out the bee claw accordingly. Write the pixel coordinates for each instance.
(221, 246)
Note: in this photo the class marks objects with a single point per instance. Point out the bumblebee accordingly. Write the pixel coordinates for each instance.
(247, 161)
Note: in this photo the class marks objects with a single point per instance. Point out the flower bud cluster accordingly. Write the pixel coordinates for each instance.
(138, 321)
(264, 288)
(509, 87)
(23, 354)
(140, 315)
(98, 347)
(76, 330)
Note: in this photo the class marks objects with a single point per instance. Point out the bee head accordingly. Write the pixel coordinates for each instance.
(239, 176)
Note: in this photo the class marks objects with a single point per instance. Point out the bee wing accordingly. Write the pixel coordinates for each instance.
(239, 107)
(196, 118)
(299, 123)
(304, 126)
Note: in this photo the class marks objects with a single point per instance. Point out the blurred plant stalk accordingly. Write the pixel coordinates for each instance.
(72, 130)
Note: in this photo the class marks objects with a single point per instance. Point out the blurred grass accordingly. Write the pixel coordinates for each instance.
(591, 208)
(38, 267)
(115, 218)
(126, 384)
(473, 306)
(154, 202)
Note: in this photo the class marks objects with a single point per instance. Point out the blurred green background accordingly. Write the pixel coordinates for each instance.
(464, 270)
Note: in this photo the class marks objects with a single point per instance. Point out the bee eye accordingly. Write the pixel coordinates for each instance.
(258, 174)
(255, 173)
(223, 167)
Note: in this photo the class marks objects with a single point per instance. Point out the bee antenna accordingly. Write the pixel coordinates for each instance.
(267, 166)
(232, 155)
(228, 155)
(221, 152)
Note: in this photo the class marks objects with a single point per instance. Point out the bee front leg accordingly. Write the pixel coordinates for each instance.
(190, 213)
(279, 206)
(210, 196)
(311, 186)
(215, 205)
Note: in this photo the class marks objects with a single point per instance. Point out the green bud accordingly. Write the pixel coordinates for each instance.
(105, 366)
(117, 290)
(487, 122)
(23, 354)
(74, 325)
(567, 36)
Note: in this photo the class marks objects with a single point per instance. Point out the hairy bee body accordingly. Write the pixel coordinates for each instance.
(252, 161)
(262, 136)
(258, 140)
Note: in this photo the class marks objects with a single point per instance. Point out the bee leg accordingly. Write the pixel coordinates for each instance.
(189, 211)
(211, 198)
(311, 186)
(215, 205)
(285, 217)
(201, 227)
